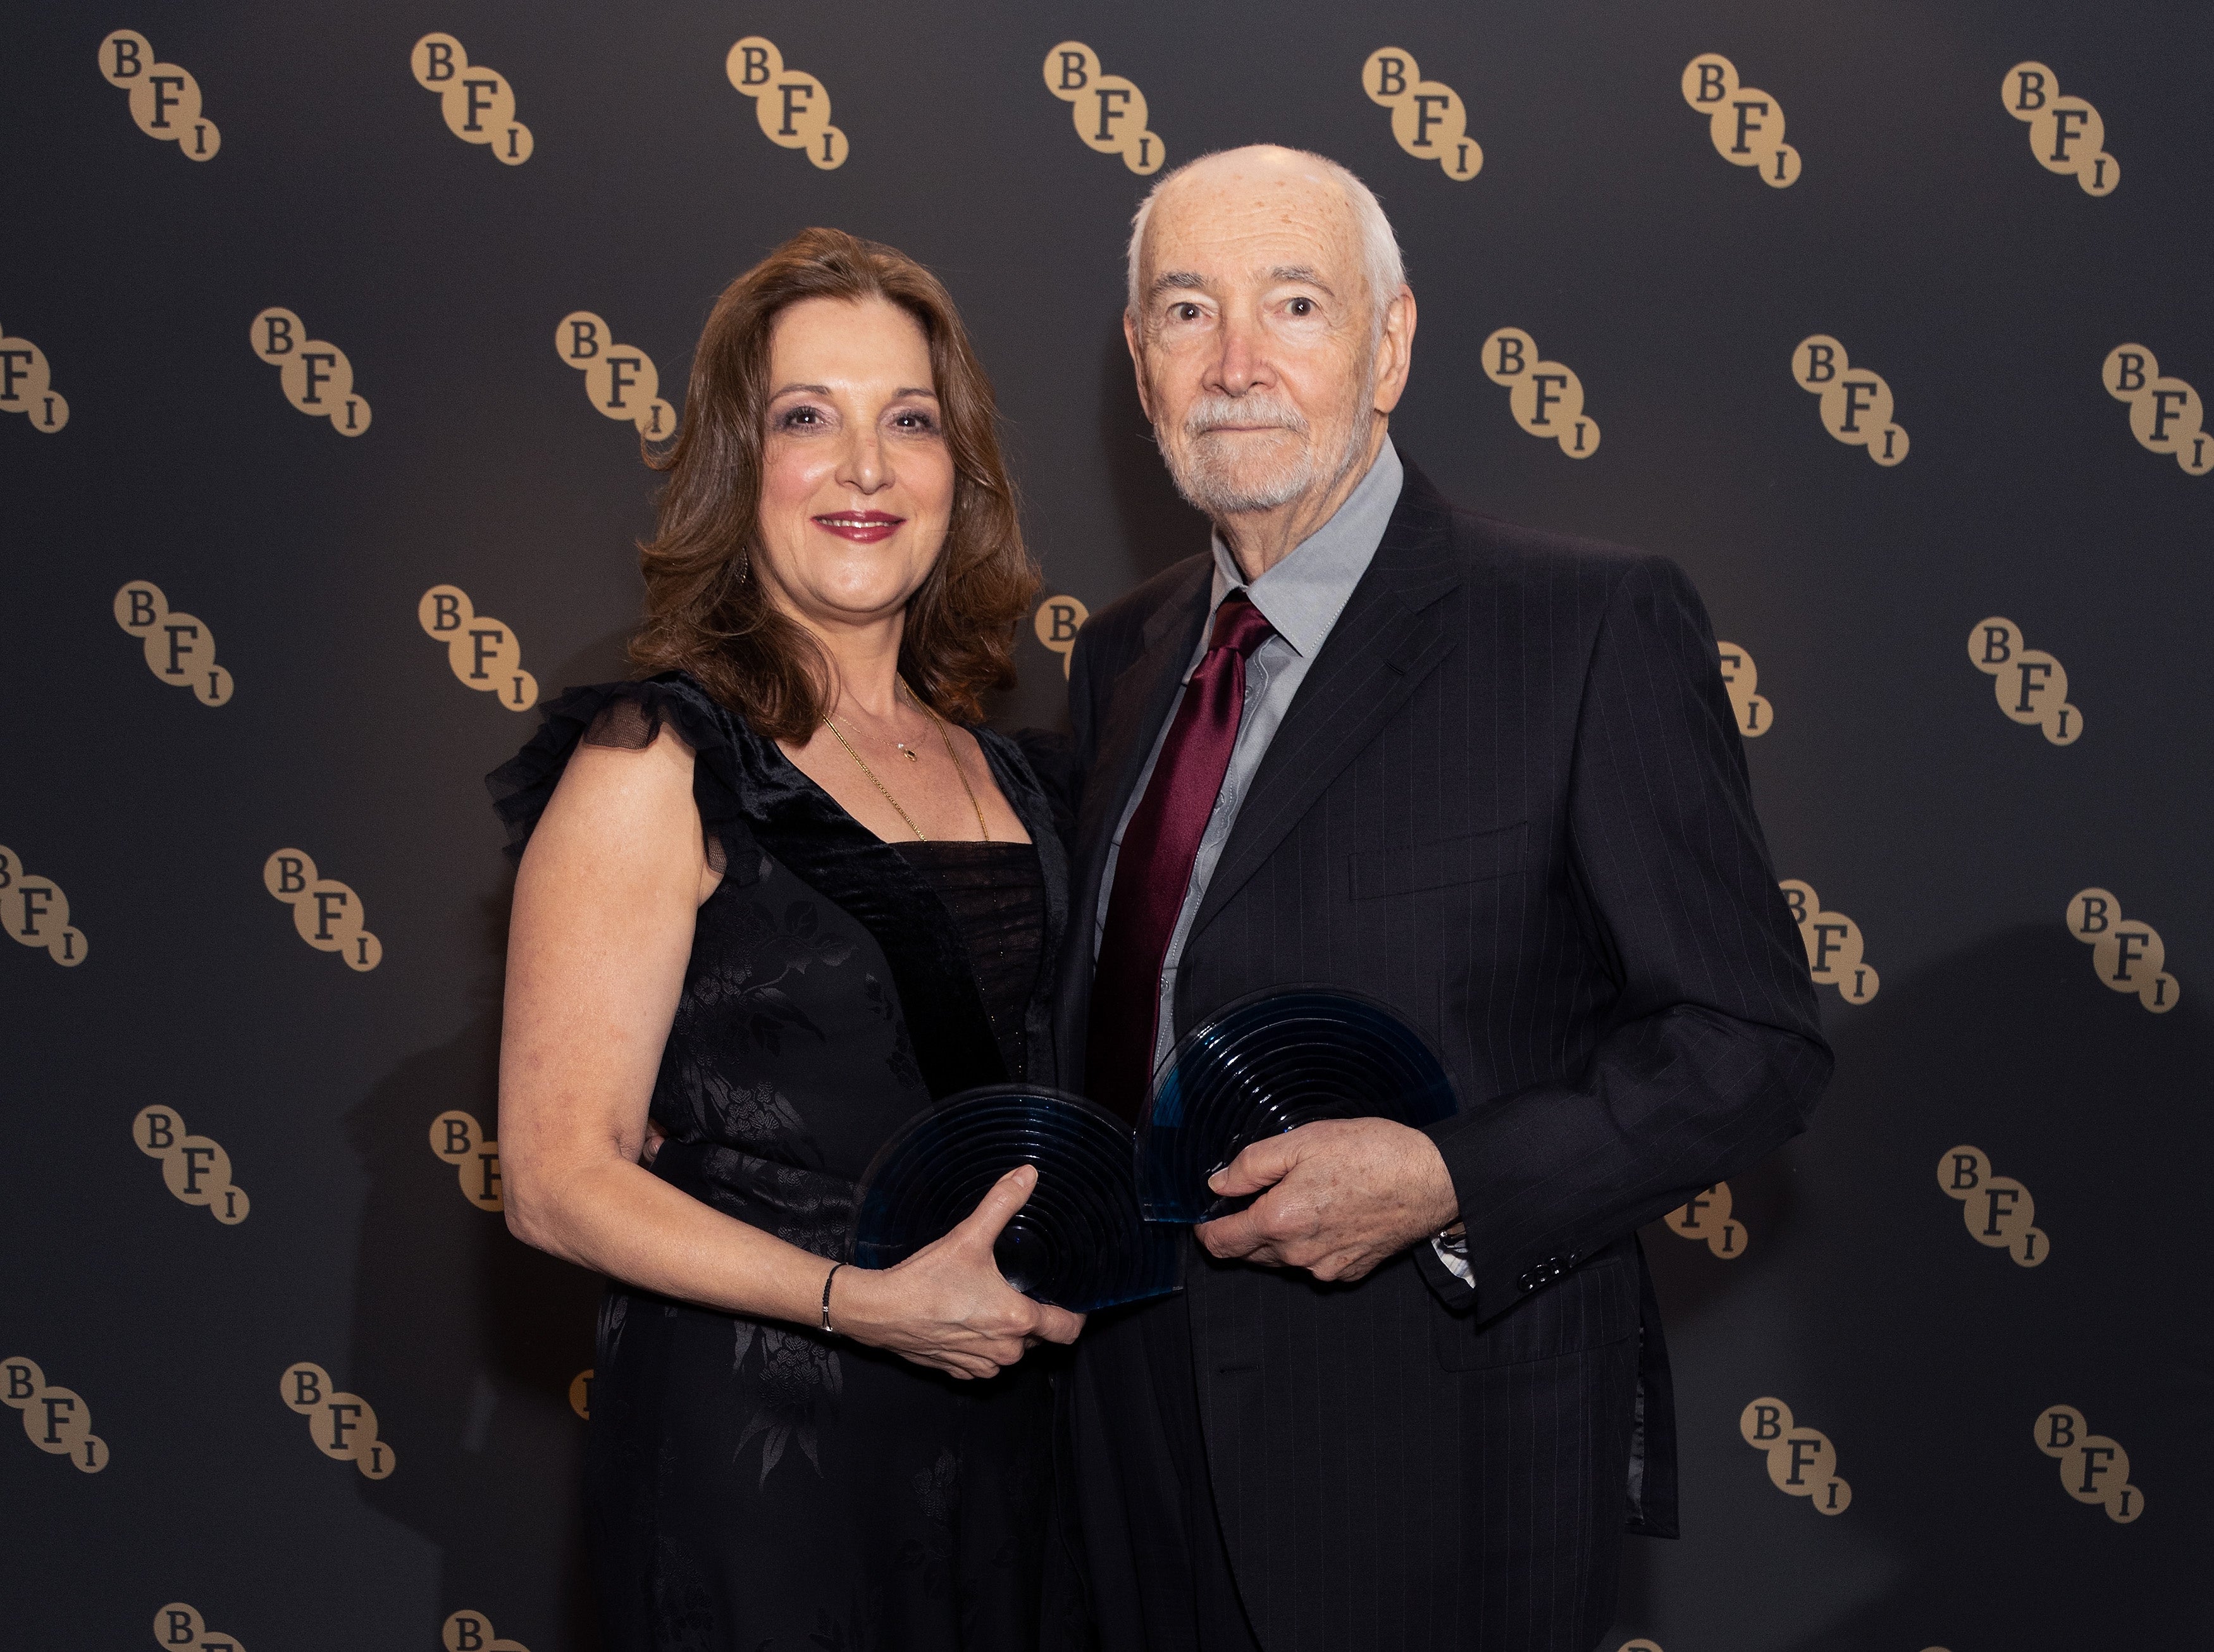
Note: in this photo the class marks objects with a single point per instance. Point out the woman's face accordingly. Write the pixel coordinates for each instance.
(856, 481)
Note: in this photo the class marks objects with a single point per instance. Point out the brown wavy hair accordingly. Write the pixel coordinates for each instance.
(706, 615)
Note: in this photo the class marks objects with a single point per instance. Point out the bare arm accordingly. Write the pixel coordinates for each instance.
(604, 908)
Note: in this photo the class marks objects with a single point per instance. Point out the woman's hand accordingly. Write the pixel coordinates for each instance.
(946, 1306)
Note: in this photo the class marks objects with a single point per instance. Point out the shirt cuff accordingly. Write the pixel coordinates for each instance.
(1453, 1254)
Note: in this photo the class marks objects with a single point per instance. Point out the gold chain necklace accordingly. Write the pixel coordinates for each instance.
(943, 734)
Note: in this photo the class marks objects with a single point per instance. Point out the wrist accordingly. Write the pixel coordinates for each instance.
(852, 1299)
(1441, 1206)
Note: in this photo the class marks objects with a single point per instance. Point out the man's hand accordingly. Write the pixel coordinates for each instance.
(1343, 1195)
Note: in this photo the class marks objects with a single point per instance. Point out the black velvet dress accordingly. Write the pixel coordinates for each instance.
(754, 1484)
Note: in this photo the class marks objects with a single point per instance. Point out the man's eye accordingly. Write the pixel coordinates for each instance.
(1185, 312)
(1302, 306)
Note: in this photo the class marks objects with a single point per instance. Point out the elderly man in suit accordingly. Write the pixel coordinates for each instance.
(1414, 1394)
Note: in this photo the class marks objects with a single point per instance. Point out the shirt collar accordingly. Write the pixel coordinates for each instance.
(1303, 595)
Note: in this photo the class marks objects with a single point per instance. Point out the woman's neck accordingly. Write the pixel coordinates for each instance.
(864, 665)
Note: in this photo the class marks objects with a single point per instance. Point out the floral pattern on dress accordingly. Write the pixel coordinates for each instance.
(885, 1007)
(797, 1374)
(765, 957)
(757, 1114)
(938, 1491)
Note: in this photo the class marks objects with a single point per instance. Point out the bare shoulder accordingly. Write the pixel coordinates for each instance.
(623, 816)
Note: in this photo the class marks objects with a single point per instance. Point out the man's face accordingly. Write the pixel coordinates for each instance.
(1255, 339)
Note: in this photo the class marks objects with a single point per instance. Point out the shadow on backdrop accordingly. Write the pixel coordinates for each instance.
(466, 1339)
(2011, 1046)
(601, 660)
(1156, 526)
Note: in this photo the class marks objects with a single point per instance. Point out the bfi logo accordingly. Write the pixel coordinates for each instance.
(478, 103)
(1856, 403)
(471, 1631)
(2165, 414)
(1740, 676)
(580, 1394)
(1705, 1217)
(1833, 945)
(180, 1628)
(459, 1140)
(35, 913)
(327, 913)
(1744, 125)
(27, 385)
(1427, 117)
(483, 652)
(342, 1425)
(2065, 134)
(1801, 1462)
(317, 377)
(194, 1167)
(1108, 112)
(1546, 398)
(2127, 957)
(2029, 684)
(56, 1420)
(179, 648)
(1996, 1210)
(2093, 1468)
(620, 379)
(1057, 622)
(790, 105)
(165, 99)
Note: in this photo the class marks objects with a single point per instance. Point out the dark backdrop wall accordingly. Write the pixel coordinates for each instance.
(234, 1197)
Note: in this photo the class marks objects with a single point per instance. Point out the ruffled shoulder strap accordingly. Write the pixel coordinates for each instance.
(631, 716)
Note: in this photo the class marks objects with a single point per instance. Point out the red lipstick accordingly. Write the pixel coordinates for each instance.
(862, 527)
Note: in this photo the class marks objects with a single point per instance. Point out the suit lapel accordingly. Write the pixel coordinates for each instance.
(1139, 704)
(1391, 634)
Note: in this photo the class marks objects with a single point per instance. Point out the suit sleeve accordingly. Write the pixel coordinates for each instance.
(1713, 1055)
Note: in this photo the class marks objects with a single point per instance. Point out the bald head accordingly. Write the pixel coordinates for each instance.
(1271, 328)
(1294, 185)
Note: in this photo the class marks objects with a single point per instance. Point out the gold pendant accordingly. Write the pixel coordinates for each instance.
(906, 751)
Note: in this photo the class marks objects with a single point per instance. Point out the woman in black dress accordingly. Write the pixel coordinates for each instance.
(774, 901)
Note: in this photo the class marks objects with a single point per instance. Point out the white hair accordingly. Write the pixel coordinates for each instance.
(1379, 247)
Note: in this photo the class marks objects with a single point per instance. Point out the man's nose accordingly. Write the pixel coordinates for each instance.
(1241, 363)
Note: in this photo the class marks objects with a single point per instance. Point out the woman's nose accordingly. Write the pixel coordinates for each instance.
(864, 468)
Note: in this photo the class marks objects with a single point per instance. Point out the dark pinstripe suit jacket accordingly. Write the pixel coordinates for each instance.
(1511, 800)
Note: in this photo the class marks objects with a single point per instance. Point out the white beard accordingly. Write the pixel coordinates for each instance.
(1213, 481)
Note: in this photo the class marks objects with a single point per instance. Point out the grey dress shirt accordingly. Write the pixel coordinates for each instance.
(1301, 597)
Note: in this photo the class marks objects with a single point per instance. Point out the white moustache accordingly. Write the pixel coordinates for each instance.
(1211, 412)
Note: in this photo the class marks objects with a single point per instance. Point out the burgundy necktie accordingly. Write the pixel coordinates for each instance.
(1153, 870)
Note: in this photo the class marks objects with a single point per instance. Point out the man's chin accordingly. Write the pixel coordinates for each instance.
(1233, 489)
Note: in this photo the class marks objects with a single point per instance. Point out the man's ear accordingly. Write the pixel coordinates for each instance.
(1137, 360)
(1395, 351)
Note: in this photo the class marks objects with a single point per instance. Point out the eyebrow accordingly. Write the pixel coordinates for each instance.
(1177, 280)
(824, 389)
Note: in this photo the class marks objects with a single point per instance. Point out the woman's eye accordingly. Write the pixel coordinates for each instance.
(914, 420)
(799, 419)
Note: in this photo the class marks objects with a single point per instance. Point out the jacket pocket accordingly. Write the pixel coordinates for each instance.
(1596, 1304)
(1471, 858)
